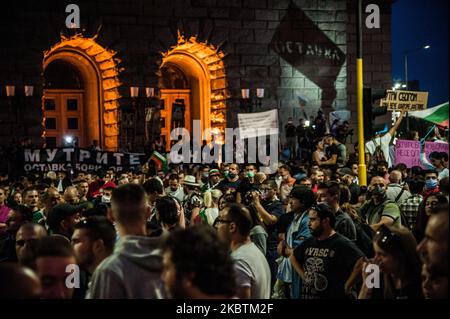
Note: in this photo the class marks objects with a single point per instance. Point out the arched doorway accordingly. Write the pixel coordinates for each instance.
(193, 79)
(92, 70)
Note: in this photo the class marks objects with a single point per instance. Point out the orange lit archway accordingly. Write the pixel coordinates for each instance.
(100, 74)
(203, 65)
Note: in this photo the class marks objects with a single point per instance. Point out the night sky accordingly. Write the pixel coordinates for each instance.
(414, 24)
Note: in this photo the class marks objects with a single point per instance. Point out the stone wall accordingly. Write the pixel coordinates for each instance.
(301, 48)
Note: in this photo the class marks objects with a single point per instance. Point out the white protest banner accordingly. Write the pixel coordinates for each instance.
(405, 100)
(258, 124)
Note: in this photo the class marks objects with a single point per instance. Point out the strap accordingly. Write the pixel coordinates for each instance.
(399, 195)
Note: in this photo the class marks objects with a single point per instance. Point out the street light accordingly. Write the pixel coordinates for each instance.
(426, 47)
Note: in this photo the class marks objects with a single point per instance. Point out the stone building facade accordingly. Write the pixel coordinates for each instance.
(198, 55)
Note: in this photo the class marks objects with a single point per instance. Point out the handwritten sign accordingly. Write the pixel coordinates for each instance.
(408, 152)
(258, 124)
(405, 100)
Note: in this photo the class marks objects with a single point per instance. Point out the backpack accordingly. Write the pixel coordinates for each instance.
(364, 237)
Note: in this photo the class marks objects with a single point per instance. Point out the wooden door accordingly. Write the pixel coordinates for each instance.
(175, 112)
(63, 117)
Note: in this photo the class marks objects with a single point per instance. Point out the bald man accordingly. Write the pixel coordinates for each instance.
(396, 191)
(18, 282)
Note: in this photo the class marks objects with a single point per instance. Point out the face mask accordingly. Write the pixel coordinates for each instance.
(205, 175)
(285, 177)
(231, 175)
(106, 199)
(431, 183)
(226, 173)
(250, 174)
(380, 191)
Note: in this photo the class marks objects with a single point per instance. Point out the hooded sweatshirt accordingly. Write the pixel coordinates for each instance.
(133, 271)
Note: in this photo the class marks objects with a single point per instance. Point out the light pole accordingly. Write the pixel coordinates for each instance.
(426, 47)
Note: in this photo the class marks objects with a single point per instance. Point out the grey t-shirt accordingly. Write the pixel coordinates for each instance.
(252, 270)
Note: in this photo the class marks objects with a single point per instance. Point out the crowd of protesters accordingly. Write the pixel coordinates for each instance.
(309, 231)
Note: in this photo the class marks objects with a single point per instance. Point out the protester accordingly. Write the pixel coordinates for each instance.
(54, 255)
(252, 269)
(395, 254)
(327, 262)
(379, 210)
(134, 269)
(197, 265)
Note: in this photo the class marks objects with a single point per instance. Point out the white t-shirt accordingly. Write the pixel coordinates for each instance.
(252, 270)
(384, 142)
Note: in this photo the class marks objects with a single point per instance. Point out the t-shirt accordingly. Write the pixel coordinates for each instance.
(252, 270)
(344, 225)
(290, 130)
(372, 213)
(327, 265)
(274, 208)
(382, 141)
(258, 236)
(226, 184)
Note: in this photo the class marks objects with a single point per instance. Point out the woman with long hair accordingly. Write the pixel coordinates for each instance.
(424, 213)
(398, 263)
(210, 210)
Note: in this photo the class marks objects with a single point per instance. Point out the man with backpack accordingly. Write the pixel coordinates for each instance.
(379, 210)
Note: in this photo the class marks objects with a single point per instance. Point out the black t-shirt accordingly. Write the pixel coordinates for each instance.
(332, 150)
(290, 130)
(327, 265)
(275, 208)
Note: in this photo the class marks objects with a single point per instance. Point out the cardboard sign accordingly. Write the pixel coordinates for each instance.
(408, 152)
(405, 100)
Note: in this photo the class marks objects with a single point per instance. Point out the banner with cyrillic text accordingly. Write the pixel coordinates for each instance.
(82, 160)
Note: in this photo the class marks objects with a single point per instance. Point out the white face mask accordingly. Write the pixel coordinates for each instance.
(106, 199)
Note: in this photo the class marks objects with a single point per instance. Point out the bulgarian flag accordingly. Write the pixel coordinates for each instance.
(437, 115)
(160, 161)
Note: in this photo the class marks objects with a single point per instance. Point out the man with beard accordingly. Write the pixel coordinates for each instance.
(231, 180)
(175, 189)
(328, 262)
(196, 265)
(379, 210)
(93, 240)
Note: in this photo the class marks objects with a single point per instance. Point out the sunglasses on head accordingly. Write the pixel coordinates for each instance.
(386, 235)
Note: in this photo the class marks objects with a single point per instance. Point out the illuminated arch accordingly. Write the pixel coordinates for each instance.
(203, 64)
(100, 74)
